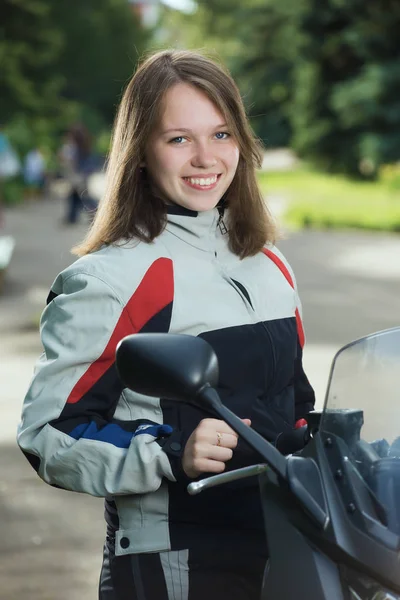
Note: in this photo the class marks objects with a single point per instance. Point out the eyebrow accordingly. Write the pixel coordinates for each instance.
(186, 130)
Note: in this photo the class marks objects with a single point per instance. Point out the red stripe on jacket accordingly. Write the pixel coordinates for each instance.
(155, 292)
(283, 268)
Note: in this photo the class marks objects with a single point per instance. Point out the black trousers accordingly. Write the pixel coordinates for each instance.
(182, 575)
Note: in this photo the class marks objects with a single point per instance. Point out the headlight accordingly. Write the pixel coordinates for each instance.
(362, 587)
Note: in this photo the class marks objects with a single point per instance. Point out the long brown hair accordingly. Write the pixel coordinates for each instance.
(130, 208)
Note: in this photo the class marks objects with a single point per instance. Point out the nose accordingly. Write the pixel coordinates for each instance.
(203, 157)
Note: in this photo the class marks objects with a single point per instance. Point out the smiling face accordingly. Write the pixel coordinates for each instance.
(191, 156)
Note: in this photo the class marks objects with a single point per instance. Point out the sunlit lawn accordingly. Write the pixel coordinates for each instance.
(320, 200)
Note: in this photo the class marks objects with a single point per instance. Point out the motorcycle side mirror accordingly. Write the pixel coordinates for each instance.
(184, 368)
(176, 367)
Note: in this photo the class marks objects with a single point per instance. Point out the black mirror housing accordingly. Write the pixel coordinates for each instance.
(173, 366)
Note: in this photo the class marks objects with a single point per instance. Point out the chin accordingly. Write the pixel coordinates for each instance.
(202, 205)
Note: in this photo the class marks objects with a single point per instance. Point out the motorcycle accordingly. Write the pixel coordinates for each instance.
(331, 509)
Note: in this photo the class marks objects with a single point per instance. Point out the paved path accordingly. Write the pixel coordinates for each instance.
(51, 539)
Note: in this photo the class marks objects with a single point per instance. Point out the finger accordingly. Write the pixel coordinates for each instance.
(209, 466)
(225, 428)
(219, 453)
(200, 450)
(216, 438)
(225, 440)
(214, 425)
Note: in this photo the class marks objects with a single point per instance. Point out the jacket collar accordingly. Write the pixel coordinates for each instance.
(199, 229)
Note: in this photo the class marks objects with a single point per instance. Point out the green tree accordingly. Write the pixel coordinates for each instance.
(101, 43)
(263, 68)
(29, 47)
(62, 61)
(345, 113)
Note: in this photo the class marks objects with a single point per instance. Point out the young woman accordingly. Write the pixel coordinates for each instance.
(182, 243)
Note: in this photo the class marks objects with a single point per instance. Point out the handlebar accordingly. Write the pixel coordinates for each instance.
(287, 443)
(204, 484)
(293, 441)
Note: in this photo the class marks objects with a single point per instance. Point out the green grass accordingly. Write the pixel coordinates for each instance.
(320, 200)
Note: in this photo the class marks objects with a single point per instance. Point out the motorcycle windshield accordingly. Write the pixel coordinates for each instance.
(362, 413)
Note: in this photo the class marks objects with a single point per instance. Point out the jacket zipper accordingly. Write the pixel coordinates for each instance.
(253, 312)
(221, 225)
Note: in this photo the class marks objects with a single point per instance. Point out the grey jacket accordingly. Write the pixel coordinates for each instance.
(82, 431)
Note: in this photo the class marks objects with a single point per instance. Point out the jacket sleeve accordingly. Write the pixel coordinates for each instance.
(303, 391)
(68, 431)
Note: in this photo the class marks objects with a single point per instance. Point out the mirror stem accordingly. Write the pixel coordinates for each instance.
(274, 459)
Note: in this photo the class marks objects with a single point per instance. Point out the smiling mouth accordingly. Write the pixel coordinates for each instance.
(202, 183)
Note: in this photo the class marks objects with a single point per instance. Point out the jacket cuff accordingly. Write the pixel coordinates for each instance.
(173, 446)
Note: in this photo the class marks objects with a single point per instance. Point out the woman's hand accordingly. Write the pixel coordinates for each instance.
(209, 447)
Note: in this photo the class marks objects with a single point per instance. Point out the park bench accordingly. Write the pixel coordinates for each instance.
(7, 243)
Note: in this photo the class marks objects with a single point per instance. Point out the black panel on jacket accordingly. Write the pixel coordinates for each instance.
(177, 209)
(256, 381)
(51, 297)
(304, 393)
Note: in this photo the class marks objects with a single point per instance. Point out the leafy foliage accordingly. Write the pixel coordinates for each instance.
(29, 47)
(101, 43)
(63, 61)
(347, 83)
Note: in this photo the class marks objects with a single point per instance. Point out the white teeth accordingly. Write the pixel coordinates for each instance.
(202, 181)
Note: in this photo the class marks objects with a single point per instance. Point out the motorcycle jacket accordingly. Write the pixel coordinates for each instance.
(82, 431)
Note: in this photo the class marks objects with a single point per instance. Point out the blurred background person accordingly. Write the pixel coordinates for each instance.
(10, 166)
(77, 162)
(34, 173)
